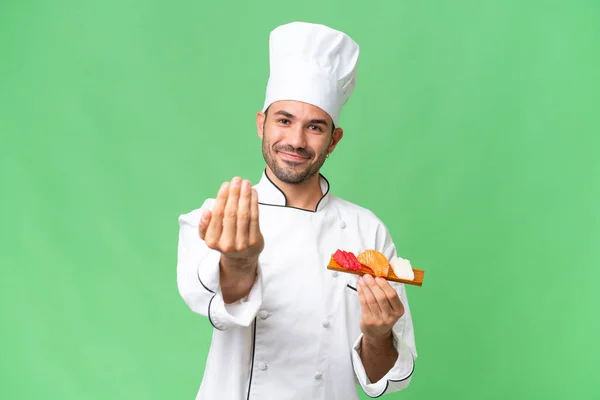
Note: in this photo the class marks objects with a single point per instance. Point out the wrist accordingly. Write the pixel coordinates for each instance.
(380, 342)
(237, 278)
(238, 266)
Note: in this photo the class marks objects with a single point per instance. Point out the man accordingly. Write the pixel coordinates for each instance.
(253, 260)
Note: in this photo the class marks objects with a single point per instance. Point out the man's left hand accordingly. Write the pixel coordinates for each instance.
(381, 307)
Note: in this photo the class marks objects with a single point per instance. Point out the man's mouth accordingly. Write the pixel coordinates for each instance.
(293, 156)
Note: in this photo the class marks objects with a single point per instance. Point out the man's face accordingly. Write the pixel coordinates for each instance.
(296, 138)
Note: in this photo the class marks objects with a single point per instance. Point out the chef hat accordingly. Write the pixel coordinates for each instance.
(313, 64)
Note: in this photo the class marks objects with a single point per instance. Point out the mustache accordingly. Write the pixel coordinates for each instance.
(291, 149)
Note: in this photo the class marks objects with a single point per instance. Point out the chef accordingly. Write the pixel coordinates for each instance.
(253, 259)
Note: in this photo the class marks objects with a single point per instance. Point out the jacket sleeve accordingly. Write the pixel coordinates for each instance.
(399, 376)
(198, 278)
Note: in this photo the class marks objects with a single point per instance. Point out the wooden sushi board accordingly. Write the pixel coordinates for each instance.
(418, 281)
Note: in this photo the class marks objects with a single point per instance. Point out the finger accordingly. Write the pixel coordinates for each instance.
(366, 310)
(254, 230)
(203, 225)
(392, 296)
(213, 233)
(370, 299)
(380, 297)
(230, 216)
(243, 216)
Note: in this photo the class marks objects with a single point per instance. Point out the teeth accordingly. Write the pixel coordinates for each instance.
(402, 268)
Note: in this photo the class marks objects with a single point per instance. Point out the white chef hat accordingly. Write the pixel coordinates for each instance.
(313, 64)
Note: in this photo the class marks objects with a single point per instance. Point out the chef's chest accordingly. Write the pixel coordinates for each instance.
(298, 247)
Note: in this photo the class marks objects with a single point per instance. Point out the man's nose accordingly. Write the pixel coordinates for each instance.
(297, 137)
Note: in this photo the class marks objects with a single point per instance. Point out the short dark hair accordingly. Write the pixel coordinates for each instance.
(332, 123)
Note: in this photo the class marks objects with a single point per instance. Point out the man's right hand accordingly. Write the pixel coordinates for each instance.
(232, 228)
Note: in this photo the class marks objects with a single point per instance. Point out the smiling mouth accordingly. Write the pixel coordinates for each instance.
(293, 157)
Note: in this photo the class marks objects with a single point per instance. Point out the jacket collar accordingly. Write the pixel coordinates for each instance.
(269, 194)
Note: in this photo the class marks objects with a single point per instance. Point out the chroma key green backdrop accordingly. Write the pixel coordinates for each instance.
(473, 133)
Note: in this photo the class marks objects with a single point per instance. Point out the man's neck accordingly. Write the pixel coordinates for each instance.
(305, 195)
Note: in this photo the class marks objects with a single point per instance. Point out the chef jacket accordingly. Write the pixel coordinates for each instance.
(297, 333)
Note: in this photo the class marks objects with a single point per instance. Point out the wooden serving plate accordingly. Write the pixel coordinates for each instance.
(418, 281)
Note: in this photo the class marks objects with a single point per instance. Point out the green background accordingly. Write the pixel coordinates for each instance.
(473, 133)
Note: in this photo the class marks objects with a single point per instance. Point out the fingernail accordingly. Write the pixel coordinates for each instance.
(368, 278)
(236, 181)
(246, 185)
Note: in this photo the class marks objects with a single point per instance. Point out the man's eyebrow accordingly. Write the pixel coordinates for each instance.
(285, 114)
(291, 116)
(318, 121)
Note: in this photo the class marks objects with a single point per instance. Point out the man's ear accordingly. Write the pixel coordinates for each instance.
(260, 123)
(337, 135)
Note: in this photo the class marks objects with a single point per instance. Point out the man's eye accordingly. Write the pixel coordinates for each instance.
(315, 127)
(284, 121)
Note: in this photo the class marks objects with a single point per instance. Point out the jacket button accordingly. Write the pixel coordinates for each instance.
(326, 324)
(319, 376)
(342, 224)
(263, 314)
(334, 274)
(262, 366)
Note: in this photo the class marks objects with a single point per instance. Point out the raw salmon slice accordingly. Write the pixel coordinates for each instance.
(376, 261)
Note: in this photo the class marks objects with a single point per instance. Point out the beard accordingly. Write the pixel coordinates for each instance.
(289, 173)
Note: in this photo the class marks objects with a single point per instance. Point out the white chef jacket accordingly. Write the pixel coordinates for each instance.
(297, 334)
